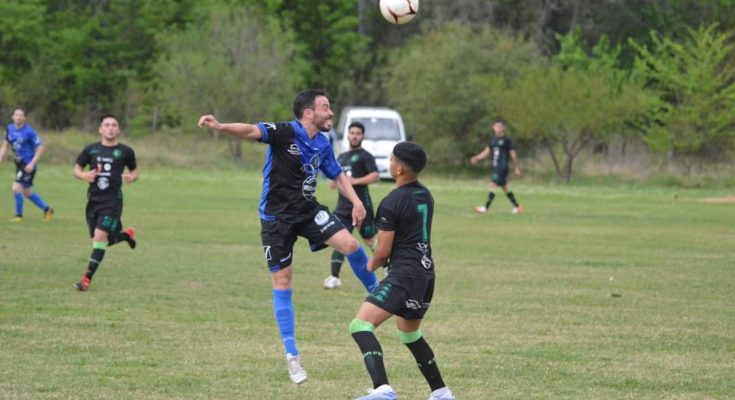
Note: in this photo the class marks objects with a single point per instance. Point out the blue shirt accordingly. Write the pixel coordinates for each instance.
(290, 170)
(23, 141)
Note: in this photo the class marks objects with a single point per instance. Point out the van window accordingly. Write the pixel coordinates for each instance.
(380, 128)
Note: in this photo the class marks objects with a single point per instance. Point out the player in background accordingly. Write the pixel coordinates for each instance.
(501, 148)
(27, 147)
(359, 166)
(289, 208)
(404, 221)
(107, 160)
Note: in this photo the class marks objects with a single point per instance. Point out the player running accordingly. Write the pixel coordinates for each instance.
(289, 208)
(359, 166)
(404, 247)
(502, 149)
(107, 160)
(27, 147)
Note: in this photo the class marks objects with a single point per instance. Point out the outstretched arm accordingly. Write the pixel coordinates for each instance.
(238, 129)
(358, 209)
(480, 156)
(382, 250)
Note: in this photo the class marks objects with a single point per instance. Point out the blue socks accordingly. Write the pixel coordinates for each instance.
(358, 261)
(18, 203)
(283, 310)
(36, 199)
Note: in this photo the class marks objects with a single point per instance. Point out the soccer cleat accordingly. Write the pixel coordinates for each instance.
(47, 214)
(332, 282)
(442, 394)
(517, 210)
(382, 392)
(17, 218)
(131, 237)
(481, 210)
(296, 371)
(83, 284)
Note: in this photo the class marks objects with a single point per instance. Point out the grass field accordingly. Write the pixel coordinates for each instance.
(523, 307)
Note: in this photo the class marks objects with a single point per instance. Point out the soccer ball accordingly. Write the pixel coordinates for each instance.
(399, 11)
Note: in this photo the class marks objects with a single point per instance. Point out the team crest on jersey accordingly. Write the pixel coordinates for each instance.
(294, 150)
(117, 153)
(354, 158)
(321, 217)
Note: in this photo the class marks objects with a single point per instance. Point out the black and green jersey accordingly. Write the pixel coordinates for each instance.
(408, 211)
(500, 148)
(357, 164)
(110, 163)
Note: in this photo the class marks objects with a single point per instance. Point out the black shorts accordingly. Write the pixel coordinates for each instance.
(104, 215)
(368, 230)
(408, 298)
(500, 178)
(278, 236)
(23, 177)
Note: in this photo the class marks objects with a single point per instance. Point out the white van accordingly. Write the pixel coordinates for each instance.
(383, 130)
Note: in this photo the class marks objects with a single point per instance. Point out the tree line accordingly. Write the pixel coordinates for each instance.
(566, 74)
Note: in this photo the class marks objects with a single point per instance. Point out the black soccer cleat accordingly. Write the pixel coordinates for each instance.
(130, 232)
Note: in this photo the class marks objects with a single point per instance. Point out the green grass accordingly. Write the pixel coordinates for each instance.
(523, 307)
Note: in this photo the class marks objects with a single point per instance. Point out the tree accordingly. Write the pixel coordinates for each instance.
(438, 81)
(575, 101)
(696, 81)
(236, 65)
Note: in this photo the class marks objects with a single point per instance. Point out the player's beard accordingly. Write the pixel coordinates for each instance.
(356, 145)
(325, 125)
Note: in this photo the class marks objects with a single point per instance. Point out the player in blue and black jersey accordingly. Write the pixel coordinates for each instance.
(27, 147)
(359, 166)
(288, 205)
(107, 160)
(502, 150)
(404, 222)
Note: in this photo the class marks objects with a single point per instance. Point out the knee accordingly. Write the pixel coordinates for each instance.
(351, 246)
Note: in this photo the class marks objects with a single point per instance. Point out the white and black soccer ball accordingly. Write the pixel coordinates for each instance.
(399, 11)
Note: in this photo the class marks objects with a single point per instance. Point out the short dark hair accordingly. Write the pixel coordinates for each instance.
(499, 121)
(410, 155)
(357, 125)
(305, 99)
(108, 115)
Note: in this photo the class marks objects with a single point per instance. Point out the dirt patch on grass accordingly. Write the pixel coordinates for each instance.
(719, 200)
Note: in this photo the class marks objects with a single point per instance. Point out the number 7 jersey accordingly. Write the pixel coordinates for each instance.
(408, 211)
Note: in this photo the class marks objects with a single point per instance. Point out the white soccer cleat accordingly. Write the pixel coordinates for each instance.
(382, 392)
(296, 371)
(481, 209)
(442, 394)
(332, 282)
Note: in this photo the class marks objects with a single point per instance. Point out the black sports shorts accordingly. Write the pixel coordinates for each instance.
(23, 177)
(278, 236)
(104, 215)
(409, 298)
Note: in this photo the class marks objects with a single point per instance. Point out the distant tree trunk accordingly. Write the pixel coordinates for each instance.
(236, 150)
(550, 149)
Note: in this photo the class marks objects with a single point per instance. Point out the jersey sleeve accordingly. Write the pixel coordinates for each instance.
(369, 163)
(330, 166)
(130, 161)
(510, 144)
(276, 133)
(36, 139)
(84, 158)
(387, 217)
